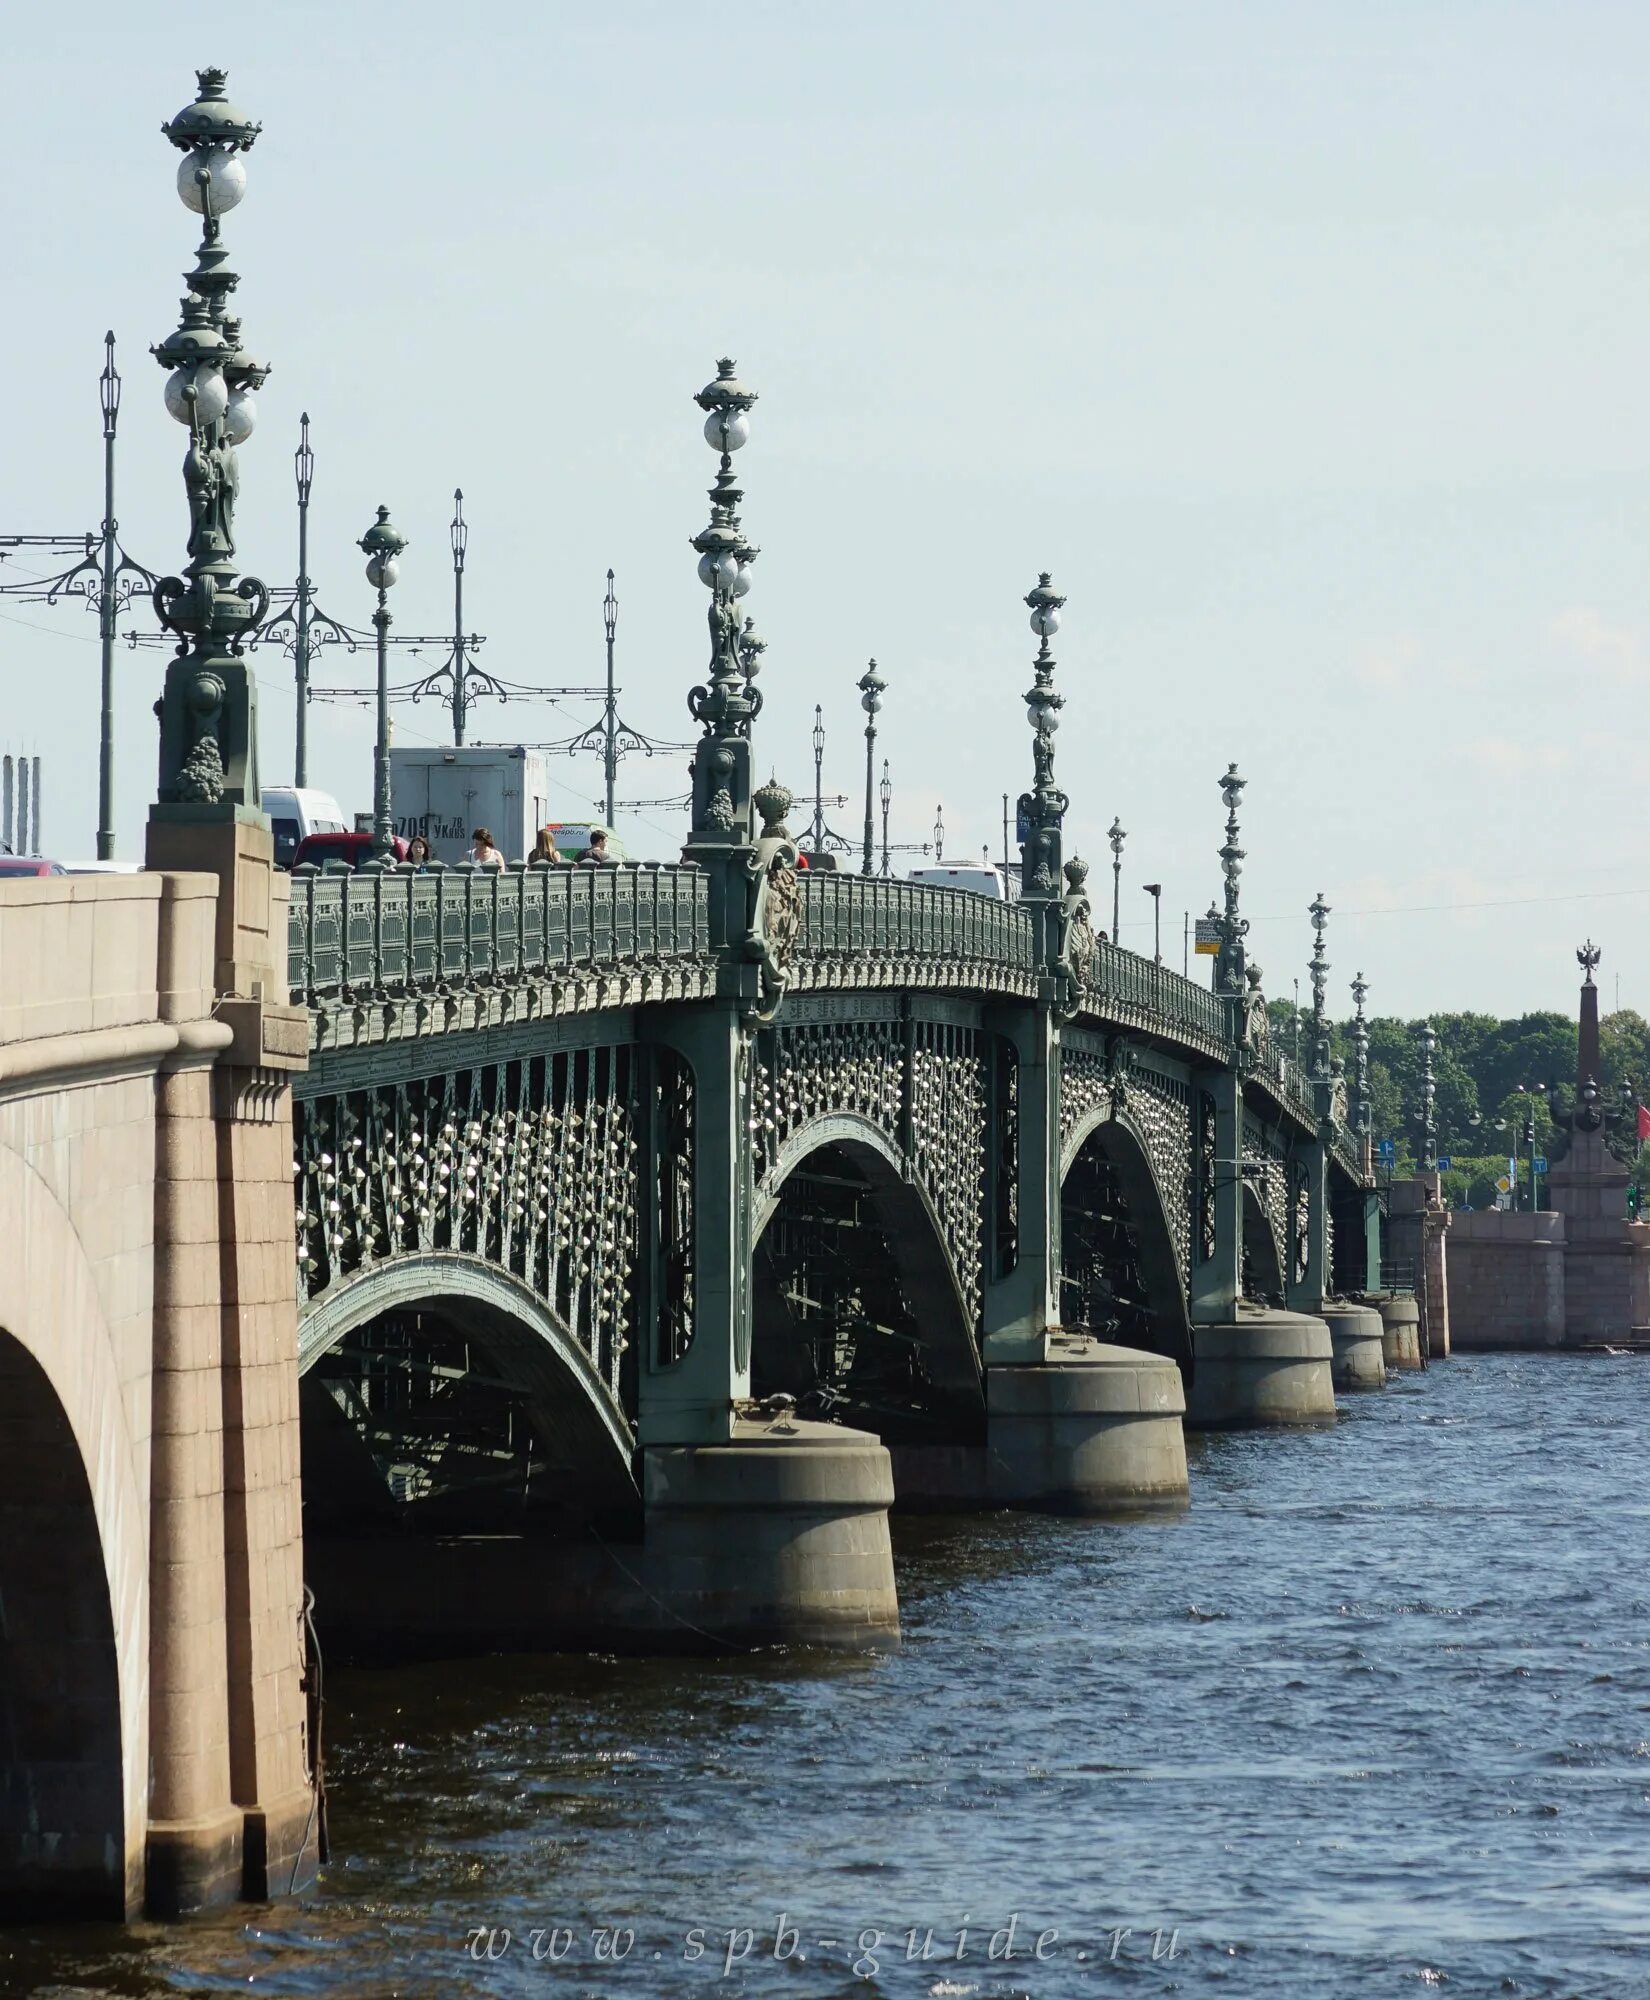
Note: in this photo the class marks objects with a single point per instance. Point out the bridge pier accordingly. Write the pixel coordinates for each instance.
(1096, 1429)
(779, 1536)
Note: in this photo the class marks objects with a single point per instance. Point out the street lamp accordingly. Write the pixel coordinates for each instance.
(1043, 808)
(1318, 911)
(727, 705)
(1117, 837)
(1155, 891)
(303, 466)
(382, 544)
(939, 832)
(887, 795)
(871, 689)
(1429, 1099)
(208, 714)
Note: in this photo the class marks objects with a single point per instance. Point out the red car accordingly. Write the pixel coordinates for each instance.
(27, 864)
(351, 848)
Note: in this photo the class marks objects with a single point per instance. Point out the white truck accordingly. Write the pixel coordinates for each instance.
(446, 794)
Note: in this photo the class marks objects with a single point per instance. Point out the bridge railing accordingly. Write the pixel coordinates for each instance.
(1124, 983)
(404, 930)
(851, 917)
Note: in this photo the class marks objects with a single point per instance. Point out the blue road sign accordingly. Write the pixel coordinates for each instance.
(1387, 1150)
(1539, 1164)
(1443, 1163)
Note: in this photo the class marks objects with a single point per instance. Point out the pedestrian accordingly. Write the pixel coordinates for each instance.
(544, 848)
(596, 854)
(482, 851)
(418, 852)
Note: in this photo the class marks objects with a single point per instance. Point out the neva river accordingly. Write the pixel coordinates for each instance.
(1372, 1719)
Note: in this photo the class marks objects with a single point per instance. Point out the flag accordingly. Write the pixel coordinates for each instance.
(1644, 1123)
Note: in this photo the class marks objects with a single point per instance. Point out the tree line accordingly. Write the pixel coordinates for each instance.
(1490, 1077)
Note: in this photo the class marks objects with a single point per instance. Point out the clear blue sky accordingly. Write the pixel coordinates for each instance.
(1305, 344)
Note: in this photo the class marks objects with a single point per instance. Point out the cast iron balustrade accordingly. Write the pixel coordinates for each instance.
(860, 930)
(401, 931)
(1137, 992)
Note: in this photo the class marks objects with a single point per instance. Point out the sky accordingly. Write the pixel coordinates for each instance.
(1304, 345)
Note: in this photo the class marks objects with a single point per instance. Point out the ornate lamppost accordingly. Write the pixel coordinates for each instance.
(303, 467)
(727, 704)
(382, 545)
(1428, 1120)
(822, 838)
(871, 689)
(939, 832)
(1318, 911)
(887, 799)
(208, 710)
(1359, 1080)
(1043, 808)
(1116, 836)
(1229, 965)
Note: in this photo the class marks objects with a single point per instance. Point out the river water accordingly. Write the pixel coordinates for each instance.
(1373, 1718)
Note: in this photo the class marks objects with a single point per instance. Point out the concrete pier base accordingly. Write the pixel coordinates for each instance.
(1400, 1333)
(779, 1536)
(1094, 1430)
(1264, 1368)
(1357, 1340)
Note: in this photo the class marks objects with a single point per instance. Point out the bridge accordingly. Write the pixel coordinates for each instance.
(563, 1254)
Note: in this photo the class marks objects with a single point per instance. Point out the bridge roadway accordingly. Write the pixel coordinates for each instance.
(594, 1169)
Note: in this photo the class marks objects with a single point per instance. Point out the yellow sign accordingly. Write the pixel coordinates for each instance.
(1504, 1185)
(1210, 950)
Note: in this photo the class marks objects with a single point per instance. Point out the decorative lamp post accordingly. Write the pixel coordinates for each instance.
(208, 712)
(1429, 1099)
(1360, 1105)
(303, 466)
(939, 831)
(610, 708)
(727, 704)
(1318, 911)
(871, 690)
(1229, 965)
(109, 397)
(1043, 808)
(1117, 836)
(887, 799)
(382, 545)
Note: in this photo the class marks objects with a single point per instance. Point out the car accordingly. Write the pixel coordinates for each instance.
(13, 865)
(297, 811)
(979, 879)
(353, 849)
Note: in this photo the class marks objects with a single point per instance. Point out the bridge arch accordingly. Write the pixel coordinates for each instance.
(1107, 1151)
(533, 1351)
(1262, 1262)
(905, 1249)
(74, 1648)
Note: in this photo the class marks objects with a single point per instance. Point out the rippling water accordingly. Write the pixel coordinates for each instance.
(1373, 1718)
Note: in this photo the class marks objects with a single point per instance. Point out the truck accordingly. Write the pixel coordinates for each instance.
(446, 794)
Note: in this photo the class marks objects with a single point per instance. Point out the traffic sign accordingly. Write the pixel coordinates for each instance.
(1539, 1164)
(1443, 1163)
(1504, 1185)
(1387, 1150)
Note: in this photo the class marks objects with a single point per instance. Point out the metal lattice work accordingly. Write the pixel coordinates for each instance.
(1300, 1215)
(922, 1086)
(531, 1166)
(1204, 1174)
(1157, 1110)
(1267, 1173)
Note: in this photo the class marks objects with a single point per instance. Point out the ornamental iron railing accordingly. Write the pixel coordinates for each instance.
(1126, 987)
(403, 930)
(850, 921)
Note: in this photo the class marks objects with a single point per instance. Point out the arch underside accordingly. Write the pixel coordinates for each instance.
(62, 1795)
(1123, 1258)
(407, 1314)
(857, 1307)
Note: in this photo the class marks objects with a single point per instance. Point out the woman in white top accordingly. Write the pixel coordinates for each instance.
(482, 851)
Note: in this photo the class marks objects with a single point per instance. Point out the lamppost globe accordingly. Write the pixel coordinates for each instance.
(225, 180)
(1045, 621)
(727, 430)
(210, 397)
(240, 417)
(382, 571)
